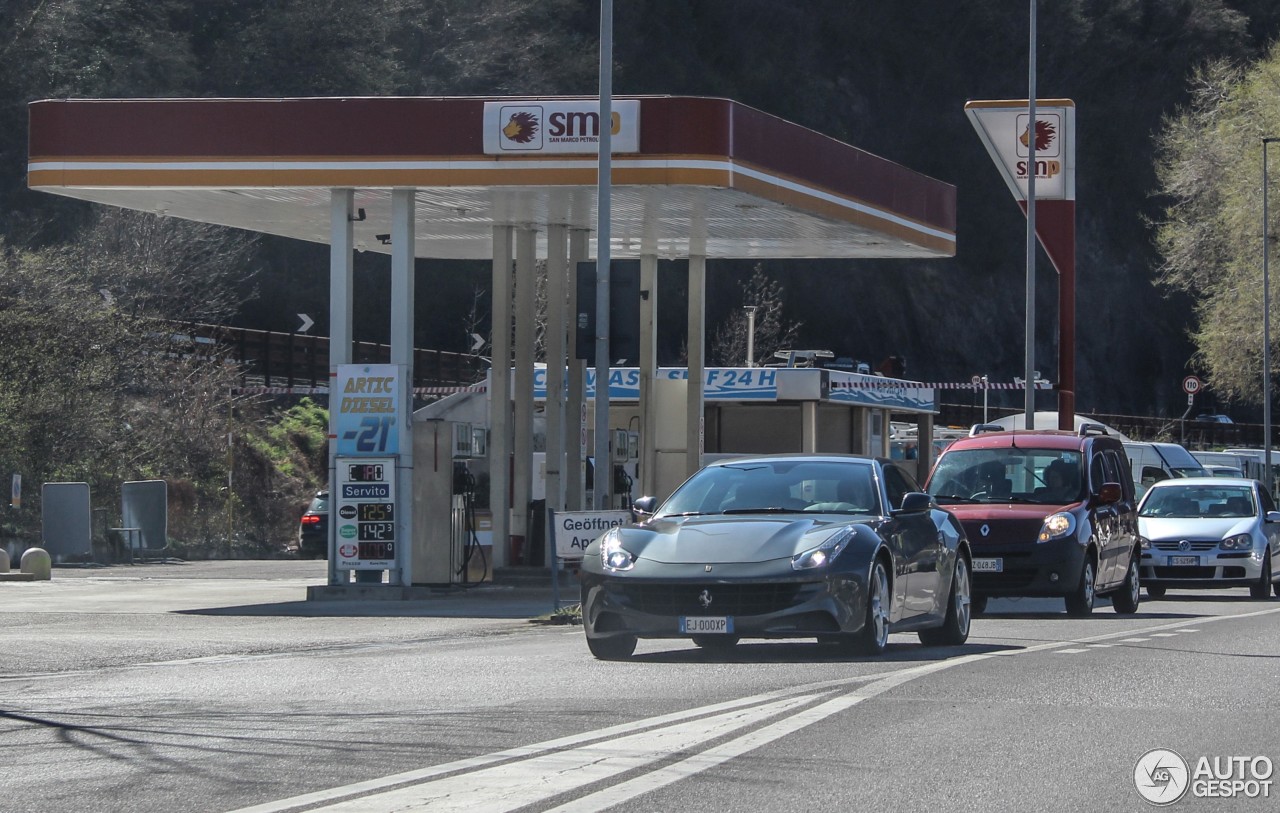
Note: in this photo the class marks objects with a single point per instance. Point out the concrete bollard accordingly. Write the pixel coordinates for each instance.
(36, 562)
(4, 561)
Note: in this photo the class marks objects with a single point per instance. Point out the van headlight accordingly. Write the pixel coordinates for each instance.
(1057, 526)
(613, 556)
(825, 553)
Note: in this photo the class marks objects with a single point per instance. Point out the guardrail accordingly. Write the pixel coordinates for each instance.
(277, 359)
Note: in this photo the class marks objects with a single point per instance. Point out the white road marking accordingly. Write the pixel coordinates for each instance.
(1164, 635)
(1071, 651)
(1101, 646)
(1135, 640)
(508, 787)
(538, 772)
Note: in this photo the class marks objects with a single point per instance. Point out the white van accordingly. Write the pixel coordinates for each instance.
(1153, 462)
(1247, 466)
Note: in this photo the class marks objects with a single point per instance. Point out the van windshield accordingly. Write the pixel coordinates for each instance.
(1042, 476)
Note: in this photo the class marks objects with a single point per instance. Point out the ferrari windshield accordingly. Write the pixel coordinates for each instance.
(1045, 476)
(783, 486)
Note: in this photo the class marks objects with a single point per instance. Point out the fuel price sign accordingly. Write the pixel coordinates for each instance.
(366, 513)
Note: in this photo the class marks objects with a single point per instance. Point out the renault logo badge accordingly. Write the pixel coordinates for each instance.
(985, 529)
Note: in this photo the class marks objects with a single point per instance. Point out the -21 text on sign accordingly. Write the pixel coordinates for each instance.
(370, 404)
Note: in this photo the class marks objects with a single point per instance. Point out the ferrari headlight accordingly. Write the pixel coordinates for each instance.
(1237, 542)
(825, 553)
(612, 555)
(1056, 526)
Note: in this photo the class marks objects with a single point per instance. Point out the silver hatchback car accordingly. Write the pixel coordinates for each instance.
(1209, 532)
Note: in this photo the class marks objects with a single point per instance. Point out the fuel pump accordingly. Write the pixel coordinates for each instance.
(446, 545)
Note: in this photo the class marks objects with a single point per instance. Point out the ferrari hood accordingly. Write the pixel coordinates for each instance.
(719, 539)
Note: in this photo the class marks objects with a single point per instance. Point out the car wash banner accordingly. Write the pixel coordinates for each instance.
(370, 404)
(719, 383)
(876, 392)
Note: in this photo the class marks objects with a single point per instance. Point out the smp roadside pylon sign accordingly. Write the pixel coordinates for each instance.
(1011, 139)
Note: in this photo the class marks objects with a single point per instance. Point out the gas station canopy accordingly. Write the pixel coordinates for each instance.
(690, 176)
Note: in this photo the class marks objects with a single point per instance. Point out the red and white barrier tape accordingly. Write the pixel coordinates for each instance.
(931, 385)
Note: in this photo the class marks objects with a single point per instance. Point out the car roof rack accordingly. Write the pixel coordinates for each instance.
(1087, 429)
(979, 428)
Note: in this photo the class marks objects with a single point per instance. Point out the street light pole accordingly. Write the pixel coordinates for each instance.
(1266, 326)
(1029, 402)
(751, 335)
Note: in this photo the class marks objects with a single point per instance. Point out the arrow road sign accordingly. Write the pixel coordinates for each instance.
(477, 342)
(306, 323)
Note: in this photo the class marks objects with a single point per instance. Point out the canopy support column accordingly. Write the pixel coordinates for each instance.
(341, 238)
(522, 476)
(500, 397)
(694, 434)
(575, 474)
(403, 244)
(557, 281)
(648, 370)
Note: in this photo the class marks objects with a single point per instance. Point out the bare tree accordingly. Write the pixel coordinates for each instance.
(773, 331)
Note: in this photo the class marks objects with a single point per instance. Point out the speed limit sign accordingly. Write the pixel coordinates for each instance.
(1191, 385)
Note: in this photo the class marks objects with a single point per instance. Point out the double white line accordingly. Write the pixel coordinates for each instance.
(511, 779)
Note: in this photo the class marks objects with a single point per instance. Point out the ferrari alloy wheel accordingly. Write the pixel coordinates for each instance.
(955, 625)
(617, 648)
(1125, 600)
(875, 630)
(1080, 600)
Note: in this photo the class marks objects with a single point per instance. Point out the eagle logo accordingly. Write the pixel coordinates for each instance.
(521, 128)
(1045, 133)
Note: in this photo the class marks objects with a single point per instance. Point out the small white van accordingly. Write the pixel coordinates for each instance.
(1153, 462)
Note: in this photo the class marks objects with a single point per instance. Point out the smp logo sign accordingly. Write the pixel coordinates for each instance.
(1007, 132)
(558, 127)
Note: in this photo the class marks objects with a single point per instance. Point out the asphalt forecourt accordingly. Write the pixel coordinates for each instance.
(253, 709)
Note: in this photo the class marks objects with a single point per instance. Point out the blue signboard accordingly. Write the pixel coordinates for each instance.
(369, 404)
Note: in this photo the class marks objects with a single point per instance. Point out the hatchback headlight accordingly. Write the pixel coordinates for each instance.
(1144, 542)
(825, 553)
(612, 555)
(1056, 526)
(1237, 542)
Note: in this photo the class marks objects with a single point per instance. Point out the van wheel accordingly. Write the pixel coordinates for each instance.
(1080, 600)
(1125, 600)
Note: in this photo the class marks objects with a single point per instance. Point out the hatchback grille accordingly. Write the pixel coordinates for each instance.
(1196, 545)
(725, 599)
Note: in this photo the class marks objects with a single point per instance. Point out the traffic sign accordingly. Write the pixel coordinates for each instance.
(1191, 385)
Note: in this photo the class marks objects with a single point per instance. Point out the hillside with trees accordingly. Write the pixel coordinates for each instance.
(891, 78)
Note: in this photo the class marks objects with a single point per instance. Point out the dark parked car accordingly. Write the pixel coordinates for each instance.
(1047, 513)
(840, 548)
(313, 529)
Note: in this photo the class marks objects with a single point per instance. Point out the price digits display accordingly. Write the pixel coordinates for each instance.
(366, 515)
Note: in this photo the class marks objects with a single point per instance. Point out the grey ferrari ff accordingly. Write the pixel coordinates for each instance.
(842, 548)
